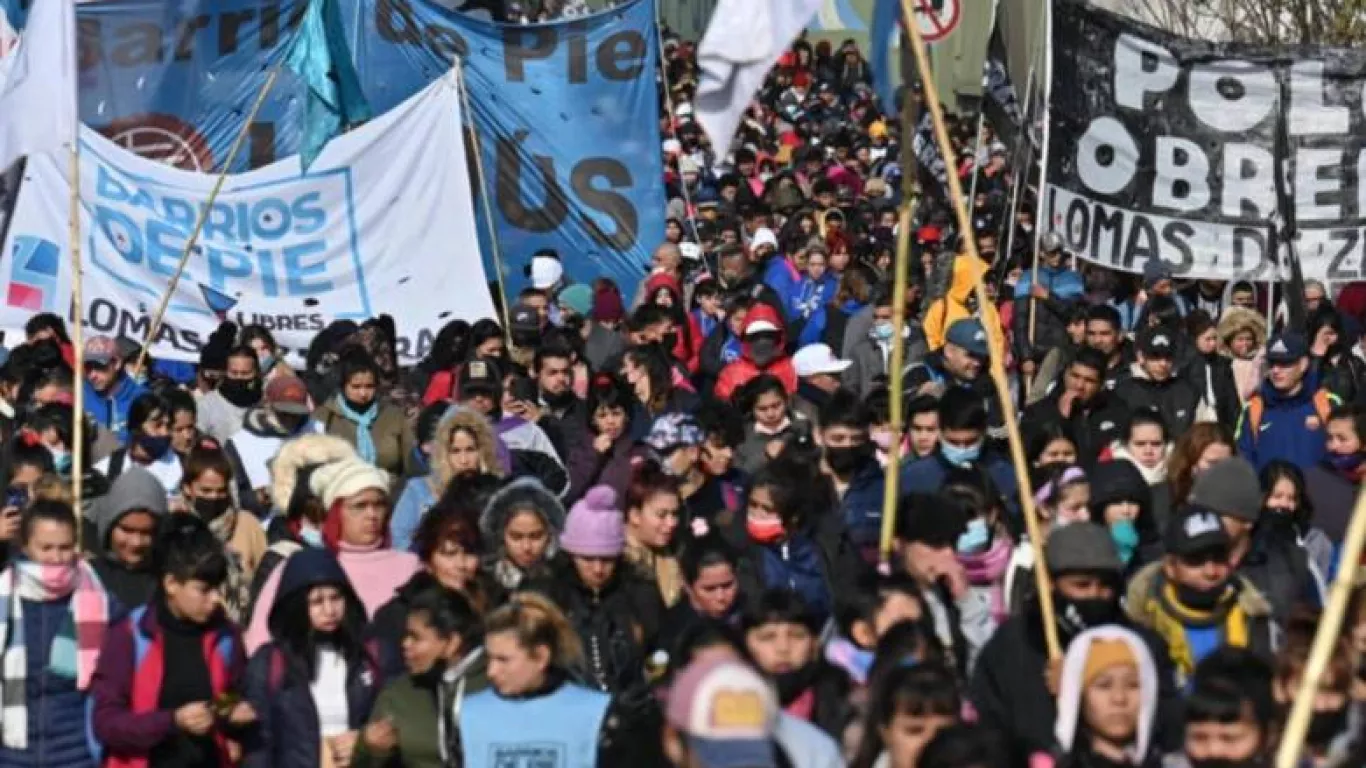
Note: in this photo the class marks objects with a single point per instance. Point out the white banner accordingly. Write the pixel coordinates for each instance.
(382, 223)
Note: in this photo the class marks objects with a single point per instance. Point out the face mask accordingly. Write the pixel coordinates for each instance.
(211, 509)
(312, 537)
(792, 684)
(266, 361)
(1324, 726)
(61, 461)
(844, 461)
(1125, 535)
(882, 438)
(154, 447)
(561, 400)
(1077, 616)
(1220, 762)
(1349, 463)
(975, 539)
(763, 351)
(959, 456)
(1200, 599)
(241, 393)
(882, 332)
(764, 531)
(669, 341)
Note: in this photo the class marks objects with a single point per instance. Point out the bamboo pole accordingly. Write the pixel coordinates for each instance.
(236, 148)
(995, 342)
(892, 480)
(1325, 638)
(77, 446)
(468, 116)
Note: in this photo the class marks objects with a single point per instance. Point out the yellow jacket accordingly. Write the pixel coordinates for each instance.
(953, 306)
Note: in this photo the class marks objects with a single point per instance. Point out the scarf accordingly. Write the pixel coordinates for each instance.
(75, 647)
(1170, 618)
(663, 570)
(1155, 476)
(237, 589)
(364, 421)
(985, 570)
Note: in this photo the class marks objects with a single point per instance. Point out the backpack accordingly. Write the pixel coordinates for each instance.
(1256, 406)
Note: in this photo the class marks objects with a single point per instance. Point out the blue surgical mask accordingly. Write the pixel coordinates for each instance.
(882, 331)
(267, 362)
(313, 537)
(61, 461)
(1125, 535)
(154, 447)
(960, 457)
(975, 539)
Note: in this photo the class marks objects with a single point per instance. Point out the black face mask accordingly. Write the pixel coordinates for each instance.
(561, 400)
(243, 393)
(1200, 599)
(1220, 762)
(763, 351)
(211, 509)
(669, 341)
(844, 461)
(1324, 726)
(791, 684)
(1077, 616)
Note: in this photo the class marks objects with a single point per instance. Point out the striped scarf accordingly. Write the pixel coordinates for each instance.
(75, 647)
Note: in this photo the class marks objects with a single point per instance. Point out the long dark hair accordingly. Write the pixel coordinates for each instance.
(920, 690)
(294, 634)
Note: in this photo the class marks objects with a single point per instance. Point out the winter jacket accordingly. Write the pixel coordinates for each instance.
(129, 677)
(785, 279)
(1065, 289)
(111, 410)
(742, 371)
(523, 493)
(1113, 482)
(817, 563)
(56, 709)
(1092, 426)
(219, 418)
(1174, 398)
(861, 507)
(1242, 619)
(616, 624)
(1278, 566)
(720, 349)
(391, 433)
(958, 303)
(928, 475)
(135, 490)
(411, 703)
(1008, 687)
(870, 358)
(588, 468)
(1212, 377)
(1291, 427)
(253, 449)
(1333, 495)
(533, 454)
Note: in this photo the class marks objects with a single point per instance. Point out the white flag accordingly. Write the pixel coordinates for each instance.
(38, 83)
(743, 41)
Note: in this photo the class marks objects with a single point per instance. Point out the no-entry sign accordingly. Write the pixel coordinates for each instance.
(937, 18)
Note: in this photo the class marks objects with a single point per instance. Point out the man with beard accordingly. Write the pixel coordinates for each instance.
(1011, 683)
(1081, 406)
(1105, 335)
(1193, 598)
(562, 415)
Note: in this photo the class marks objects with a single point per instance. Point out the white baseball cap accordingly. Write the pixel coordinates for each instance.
(818, 358)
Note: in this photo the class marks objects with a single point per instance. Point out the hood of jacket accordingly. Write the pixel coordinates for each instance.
(1234, 321)
(465, 419)
(295, 455)
(1071, 686)
(666, 281)
(136, 489)
(761, 311)
(967, 272)
(520, 495)
(307, 568)
(1144, 584)
(1061, 282)
(1116, 481)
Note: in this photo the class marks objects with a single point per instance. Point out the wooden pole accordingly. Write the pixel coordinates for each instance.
(1325, 638)
(77, 447)
(892, 480)
(995, 342)
(236, 148)
(468, 117)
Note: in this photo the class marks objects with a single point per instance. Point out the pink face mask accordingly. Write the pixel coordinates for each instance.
(881, 438)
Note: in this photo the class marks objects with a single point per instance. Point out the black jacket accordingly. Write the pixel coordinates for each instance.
(1279, 567)
(1092, 426)
(1215, 372)
(1009, 689)
(1333, 496)
(1174, 398)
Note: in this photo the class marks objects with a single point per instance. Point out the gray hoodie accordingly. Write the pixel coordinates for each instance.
(135, 489)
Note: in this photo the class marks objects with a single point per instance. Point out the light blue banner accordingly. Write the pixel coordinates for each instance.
(567, 112)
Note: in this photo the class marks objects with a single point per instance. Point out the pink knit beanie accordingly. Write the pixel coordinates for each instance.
(594, 527)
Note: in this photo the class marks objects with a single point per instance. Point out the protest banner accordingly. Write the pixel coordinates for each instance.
(1207, 156)
(383, 222)
(566, 111)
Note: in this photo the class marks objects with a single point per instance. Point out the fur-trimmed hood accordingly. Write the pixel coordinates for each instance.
(299, 453)
(464, 418)
(1235, 320)
(523, 493)
(1144, 585)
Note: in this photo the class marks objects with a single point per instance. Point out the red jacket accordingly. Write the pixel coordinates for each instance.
(744, 370)
(688, 348)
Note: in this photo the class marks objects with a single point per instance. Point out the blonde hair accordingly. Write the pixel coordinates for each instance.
(50, 487)
(535, 620)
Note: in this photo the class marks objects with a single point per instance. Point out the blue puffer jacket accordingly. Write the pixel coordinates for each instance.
(861, 507)
(1290, 428)
(797, 565)
(56, 710)
(111, 411)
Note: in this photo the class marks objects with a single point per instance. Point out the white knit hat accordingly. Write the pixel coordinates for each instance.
(545, 271)
(346, 478)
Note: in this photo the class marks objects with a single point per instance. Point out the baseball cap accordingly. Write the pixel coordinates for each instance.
(760, 326)
(674, 430)
(101, 350)
(1156, 342)
(287, 394)
(1283, 349)
(480, 377)
(969, 334)
(818, 358)
(1050, 242)
(524, 319)
(726, 712)
(1198, 530)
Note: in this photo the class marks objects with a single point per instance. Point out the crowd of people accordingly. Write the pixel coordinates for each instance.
(642, 525)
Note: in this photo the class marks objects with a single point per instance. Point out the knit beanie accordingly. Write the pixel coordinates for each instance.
(346, 478)
(594, 527)
(1229, 487)
(607, 304)
(1103, 655)
(578, 297)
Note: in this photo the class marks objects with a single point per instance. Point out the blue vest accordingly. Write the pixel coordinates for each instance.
(555, 731)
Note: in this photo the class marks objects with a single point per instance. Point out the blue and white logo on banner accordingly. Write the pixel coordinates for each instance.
(566, 111)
